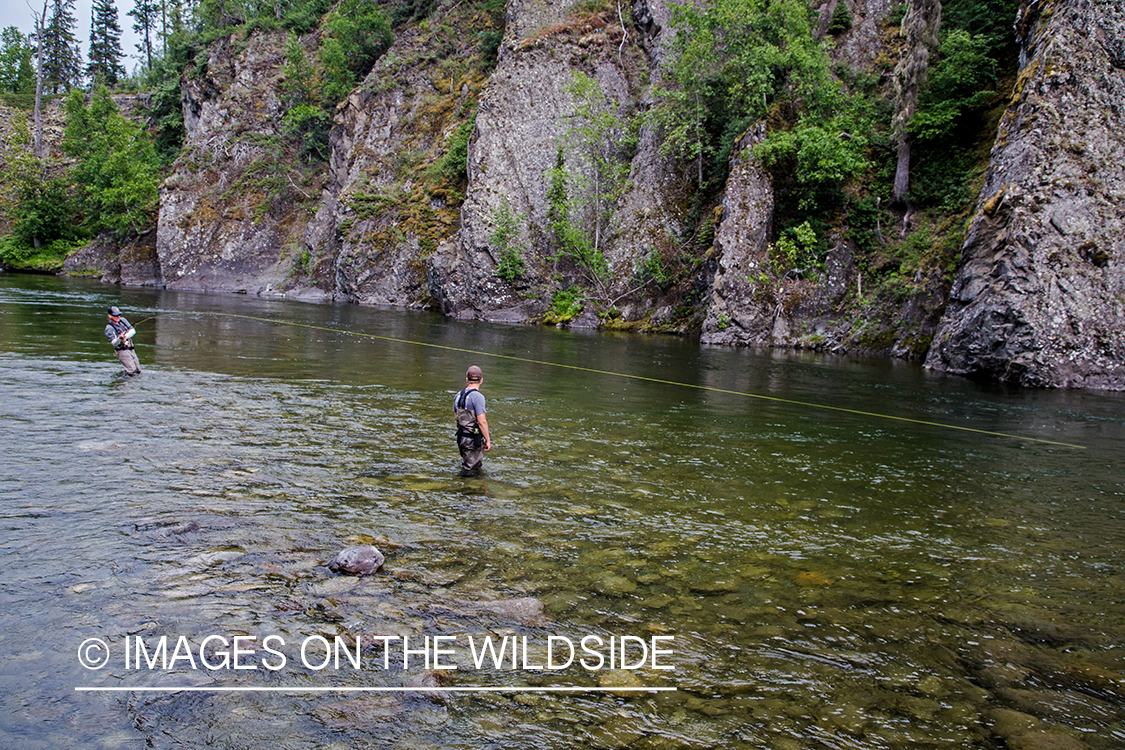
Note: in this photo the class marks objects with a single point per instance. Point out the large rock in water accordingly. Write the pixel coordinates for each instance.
(1039, 298)
(357, 561)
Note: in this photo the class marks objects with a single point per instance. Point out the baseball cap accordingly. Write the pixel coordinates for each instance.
(474, 374)
(114, 311)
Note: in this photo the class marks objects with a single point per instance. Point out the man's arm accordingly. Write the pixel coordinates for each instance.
(483, 422)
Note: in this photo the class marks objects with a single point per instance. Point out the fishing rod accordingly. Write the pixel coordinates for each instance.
(628, 376)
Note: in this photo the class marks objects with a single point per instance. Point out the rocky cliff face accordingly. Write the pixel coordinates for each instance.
(234, 211)
(1039, 297)
(390, 200)
(748, 304)
(134, 263)
(858, 45)
(739, 313)
(530, 116)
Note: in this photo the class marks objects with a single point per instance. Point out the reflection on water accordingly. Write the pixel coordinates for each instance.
(831, 580)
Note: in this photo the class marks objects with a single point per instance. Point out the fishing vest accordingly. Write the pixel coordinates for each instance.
(467, 425)
(119, 329)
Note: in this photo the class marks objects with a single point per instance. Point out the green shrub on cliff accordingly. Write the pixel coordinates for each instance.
(356, 33)
(841, 19)
(959, 88)
(731, 60)
(504, 237)
(737, 62)
(307, 117)
(116, 169)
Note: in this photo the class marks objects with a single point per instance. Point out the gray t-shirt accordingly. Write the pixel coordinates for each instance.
(474, 402)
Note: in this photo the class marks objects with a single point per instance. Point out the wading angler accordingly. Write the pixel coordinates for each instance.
(472, 425)
(120, 334)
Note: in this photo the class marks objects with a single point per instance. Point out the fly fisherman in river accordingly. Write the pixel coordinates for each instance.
(472, 426)
(120, 334)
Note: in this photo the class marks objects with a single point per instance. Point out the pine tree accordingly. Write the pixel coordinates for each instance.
(146, 16)
(61, 56)
(105, 44)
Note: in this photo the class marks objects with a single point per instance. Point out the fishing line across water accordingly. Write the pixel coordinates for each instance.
(628, 376)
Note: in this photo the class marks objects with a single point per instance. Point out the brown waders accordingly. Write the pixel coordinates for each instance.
(470, 440)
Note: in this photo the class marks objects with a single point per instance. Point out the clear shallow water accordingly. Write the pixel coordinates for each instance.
(832, 580)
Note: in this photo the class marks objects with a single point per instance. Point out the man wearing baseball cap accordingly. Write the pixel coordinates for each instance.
(120, 335)
(472, 425)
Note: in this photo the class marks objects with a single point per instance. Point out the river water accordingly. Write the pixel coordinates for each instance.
(816, 578)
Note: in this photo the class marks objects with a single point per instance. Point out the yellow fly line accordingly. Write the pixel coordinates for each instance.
(579, 368)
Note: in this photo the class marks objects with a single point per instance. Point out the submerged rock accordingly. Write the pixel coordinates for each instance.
(620, 678)
(357, 561)
(422, 680)
(1047, 741)
(810, 578)
(347, 714)
(1007, 723)
(429, 683)
(525, 609)
(611, 584)
(183, 528)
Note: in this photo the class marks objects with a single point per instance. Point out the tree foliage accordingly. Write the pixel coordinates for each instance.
(920, 27)
(356, 34)
(603, 138)
(504, 238)
(116, 168)
(736, 61)
(146, 20)
(841, 19)
(959, 82)
(36, 199)
(306, 116)
(948, 126)
(822, 153)
(588, 178)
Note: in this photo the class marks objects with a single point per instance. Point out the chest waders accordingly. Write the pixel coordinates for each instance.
(467, 425)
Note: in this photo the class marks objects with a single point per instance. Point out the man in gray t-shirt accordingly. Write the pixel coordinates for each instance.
(472, 425)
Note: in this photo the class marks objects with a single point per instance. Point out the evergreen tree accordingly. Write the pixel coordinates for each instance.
(105, 44)
(61, 56)
(16, 73)
(146, 17)
(174, 14)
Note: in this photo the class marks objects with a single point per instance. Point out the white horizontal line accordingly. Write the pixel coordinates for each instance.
(348, 689)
